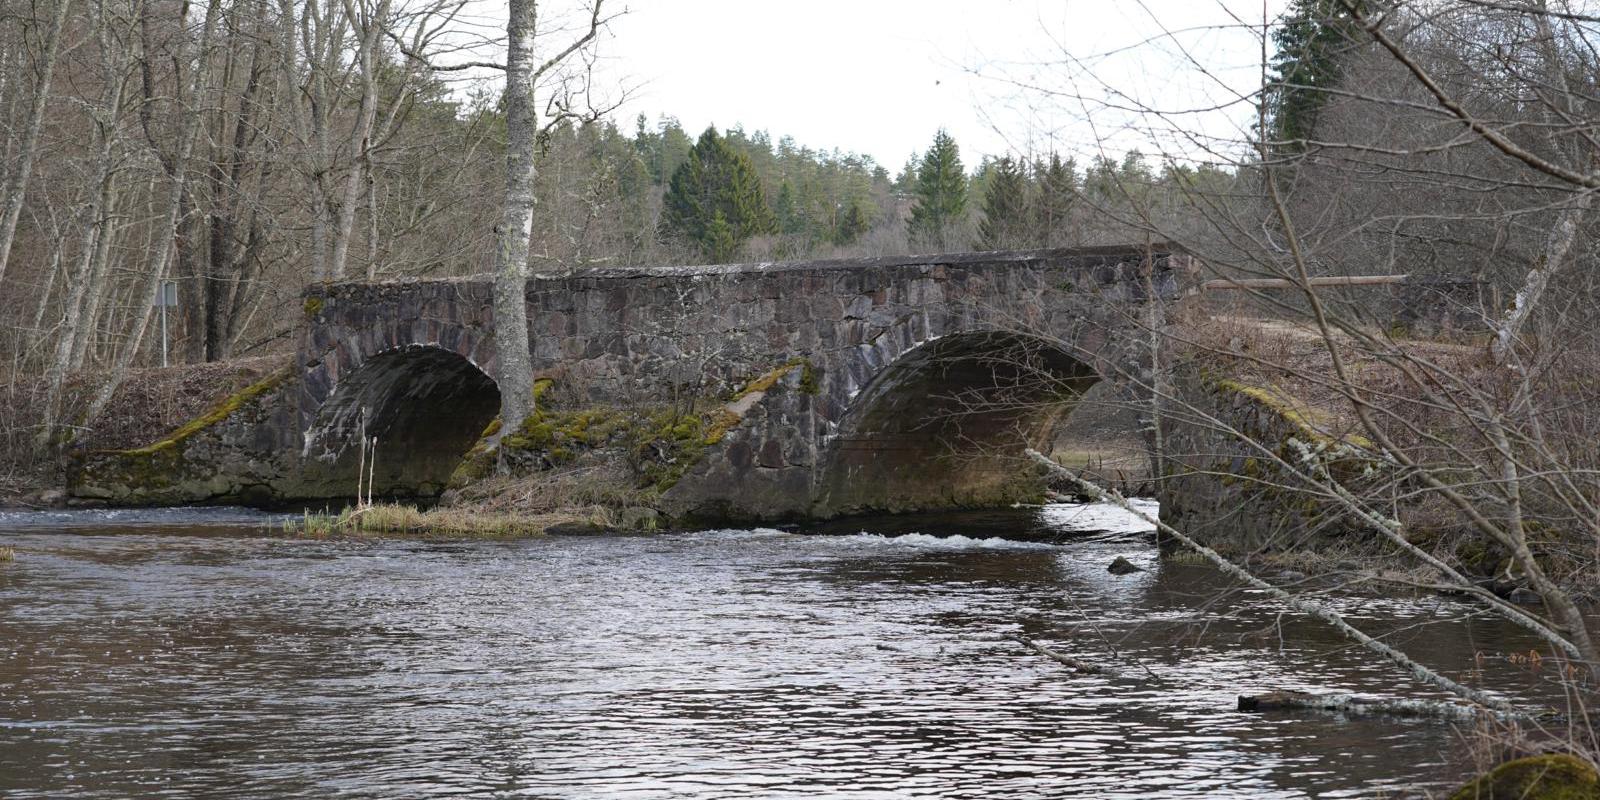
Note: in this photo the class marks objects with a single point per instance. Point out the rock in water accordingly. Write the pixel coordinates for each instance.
(1553, 776)
(1122, 566)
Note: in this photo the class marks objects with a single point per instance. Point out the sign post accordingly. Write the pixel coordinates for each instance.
(166, 298)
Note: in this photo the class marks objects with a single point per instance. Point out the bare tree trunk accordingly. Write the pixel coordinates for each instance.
(99, 279)
(169, 229)
(361, 135)
(516, 224)
(36, 332)
(17, 187)
(1558, 243)
(226, 264)
(96, 227)
(319, 31)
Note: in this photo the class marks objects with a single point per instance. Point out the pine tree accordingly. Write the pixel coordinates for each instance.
(1310, 43)
(716, 180)
(1005, 206)
(941, 193)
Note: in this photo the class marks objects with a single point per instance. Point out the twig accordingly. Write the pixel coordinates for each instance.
(1075, 664)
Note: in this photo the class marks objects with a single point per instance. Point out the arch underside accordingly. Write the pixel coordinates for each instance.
(946, 425)
(424, 405)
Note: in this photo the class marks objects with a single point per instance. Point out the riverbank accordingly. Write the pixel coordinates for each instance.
(146, 406)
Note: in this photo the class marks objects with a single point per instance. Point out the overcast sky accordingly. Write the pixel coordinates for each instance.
(880, 76)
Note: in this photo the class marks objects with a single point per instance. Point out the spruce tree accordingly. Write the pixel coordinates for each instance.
(852, 224)
(720, 243)
(716, 180)
(1057, 189)
(1005, 207)
(941, 193)
(791, 218)
(1311, 44)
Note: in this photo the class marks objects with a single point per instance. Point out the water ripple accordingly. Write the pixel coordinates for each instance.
(719, 664)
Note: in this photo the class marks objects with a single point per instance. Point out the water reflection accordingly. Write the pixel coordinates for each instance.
(716, 664)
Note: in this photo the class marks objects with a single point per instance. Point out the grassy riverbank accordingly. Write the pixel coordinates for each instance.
(387, 519)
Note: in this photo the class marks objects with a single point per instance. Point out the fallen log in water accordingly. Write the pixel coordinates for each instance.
(1292, 700)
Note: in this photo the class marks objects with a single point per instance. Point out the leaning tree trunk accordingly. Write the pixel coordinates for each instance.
(516, 224)
(17, 187)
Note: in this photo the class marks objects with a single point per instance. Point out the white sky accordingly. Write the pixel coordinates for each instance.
(879, 77)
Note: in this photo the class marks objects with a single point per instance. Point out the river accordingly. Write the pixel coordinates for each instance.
(185, 653)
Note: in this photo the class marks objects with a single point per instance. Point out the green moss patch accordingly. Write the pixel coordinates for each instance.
(766, 382)
(660, 443)
(218, 413)
(1554, 776)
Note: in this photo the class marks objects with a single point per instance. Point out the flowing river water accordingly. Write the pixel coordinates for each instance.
(187, 653)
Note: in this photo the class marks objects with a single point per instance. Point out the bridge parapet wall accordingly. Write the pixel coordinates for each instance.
(643, 334)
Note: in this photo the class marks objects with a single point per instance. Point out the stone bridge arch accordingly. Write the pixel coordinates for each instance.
(421, 406)
(945, 423)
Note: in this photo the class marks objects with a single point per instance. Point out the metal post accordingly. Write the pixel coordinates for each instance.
(167, 296)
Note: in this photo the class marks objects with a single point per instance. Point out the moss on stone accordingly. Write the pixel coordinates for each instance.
(666, 447)
(541, 387)
(145, 473)
(1553, 776)
(768, 380)
(1310, 424)
(720, 422)
(662, 443)
(476, 465)
(809, 384)
(218, 413)
(765, 382)
(314, 306)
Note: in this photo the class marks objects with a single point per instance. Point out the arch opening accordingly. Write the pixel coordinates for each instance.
(946, 424)
(425, 405)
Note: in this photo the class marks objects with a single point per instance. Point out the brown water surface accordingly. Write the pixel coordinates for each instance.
(184, 654)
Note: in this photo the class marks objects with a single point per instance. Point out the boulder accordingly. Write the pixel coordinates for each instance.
(1552, 776)
(1122, 566)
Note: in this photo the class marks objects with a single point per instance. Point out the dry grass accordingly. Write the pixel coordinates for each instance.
(7, 554)
(403, 520)
(585, 484)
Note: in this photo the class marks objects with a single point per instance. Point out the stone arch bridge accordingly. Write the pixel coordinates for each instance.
(897, 383)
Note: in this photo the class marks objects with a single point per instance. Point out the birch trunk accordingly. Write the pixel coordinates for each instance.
(99, 280)
(17, 186)
(1558, 243)
(516, 224)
